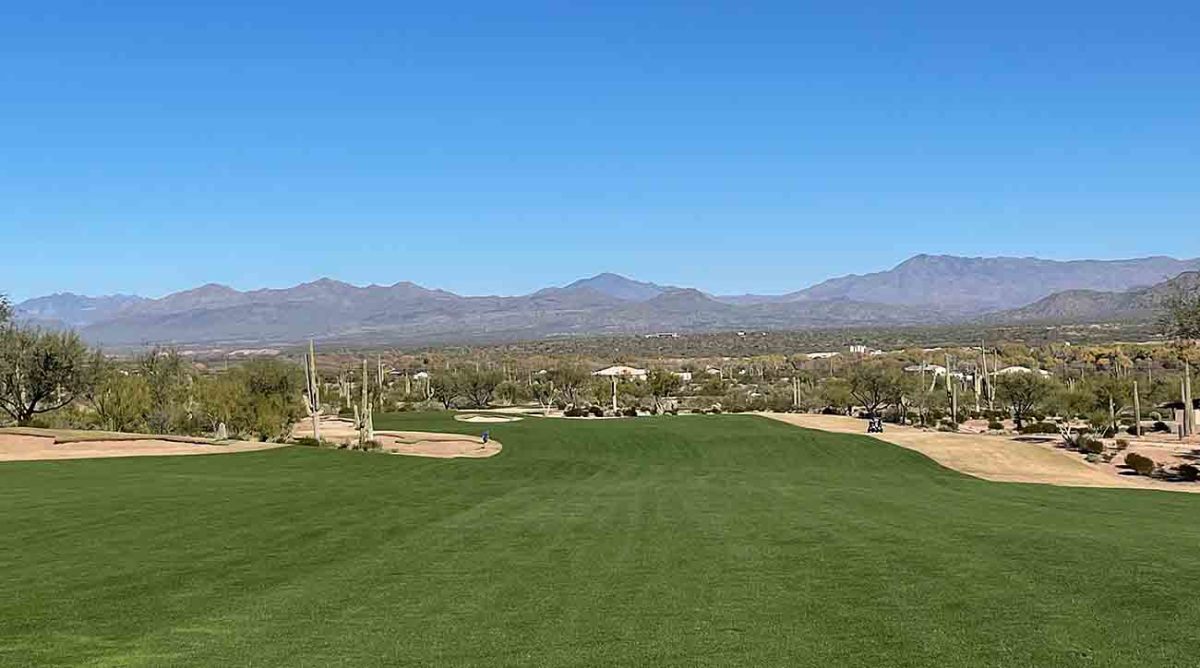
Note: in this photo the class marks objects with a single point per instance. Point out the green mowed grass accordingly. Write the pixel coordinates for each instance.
(715, 540)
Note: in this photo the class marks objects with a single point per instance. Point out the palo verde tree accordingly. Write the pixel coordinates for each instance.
(874, 386)
(661, 384)
(1179, 319)
(169, 380)
(570, 379)
(1023, 393)
(40, 371)
(478, 386)
(445, 389)
(121, 399)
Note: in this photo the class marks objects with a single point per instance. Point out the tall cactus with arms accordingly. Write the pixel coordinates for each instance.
(312, 392)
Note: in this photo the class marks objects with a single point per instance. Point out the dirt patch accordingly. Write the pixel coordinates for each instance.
(994, 457)
(487, 418)
(414, 443)
(25, 445)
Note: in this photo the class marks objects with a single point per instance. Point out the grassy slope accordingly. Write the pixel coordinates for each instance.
(716, 541)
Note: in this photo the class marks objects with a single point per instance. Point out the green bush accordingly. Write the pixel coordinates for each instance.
(1139, 463)
(1039, 428)
(307, 441)
(995, 426)
(1160, 427)
(596, 411)
(629, 412)
(575, 412)
(1188, 472)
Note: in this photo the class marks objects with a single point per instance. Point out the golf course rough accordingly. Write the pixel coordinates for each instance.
(698, 541)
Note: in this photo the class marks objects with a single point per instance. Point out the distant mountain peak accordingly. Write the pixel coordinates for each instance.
(620, 287)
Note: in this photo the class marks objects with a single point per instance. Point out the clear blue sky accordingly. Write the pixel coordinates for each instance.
(498, 147)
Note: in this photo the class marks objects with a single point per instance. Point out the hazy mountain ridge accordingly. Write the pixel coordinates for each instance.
(977, 285)
(1094, 305)
(922, 290)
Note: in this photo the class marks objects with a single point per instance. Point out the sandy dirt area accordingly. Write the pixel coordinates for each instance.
(997, 458)
(16, 447)
(414, 443)
(487, 418)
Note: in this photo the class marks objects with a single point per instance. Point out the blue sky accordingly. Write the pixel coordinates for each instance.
(495, 148)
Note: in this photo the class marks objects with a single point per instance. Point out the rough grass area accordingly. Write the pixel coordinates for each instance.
(698, 541)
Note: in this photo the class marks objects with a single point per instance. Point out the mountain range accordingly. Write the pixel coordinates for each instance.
(925, 289)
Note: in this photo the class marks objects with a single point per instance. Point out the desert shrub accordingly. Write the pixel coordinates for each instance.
(307, 441)
(1139, 463)
(1122, 444)
(1090, 445)
(629, 412)
(1039, 428)
(575, 412)
(995, 426)
(346, 412)
(1188, 472)
(1132, 430)
(947, 425)
(1160, 427)
(596, 411)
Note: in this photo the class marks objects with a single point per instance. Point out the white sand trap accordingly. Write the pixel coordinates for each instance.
(995, 458)
(441, 446)
(487, 418)
(24, 447)
(414, 443)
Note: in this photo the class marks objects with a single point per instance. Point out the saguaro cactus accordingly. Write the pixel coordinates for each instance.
(312, 392)
(364, 419)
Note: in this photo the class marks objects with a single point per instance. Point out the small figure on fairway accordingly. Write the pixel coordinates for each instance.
(486, 435)
(875, 426)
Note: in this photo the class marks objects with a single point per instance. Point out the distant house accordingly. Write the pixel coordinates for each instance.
(935, 369)
(421, 375)
(621, 372)
(713, 371)
(685, 376)
(821, 356)
(1177, 411)
(1021, 369)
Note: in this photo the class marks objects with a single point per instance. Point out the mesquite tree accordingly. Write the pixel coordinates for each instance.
(40, 371)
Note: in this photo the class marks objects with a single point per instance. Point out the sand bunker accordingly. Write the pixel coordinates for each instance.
(996, 458)
(486, 418)
(414, 443)
(28, 446)
(442, 446)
